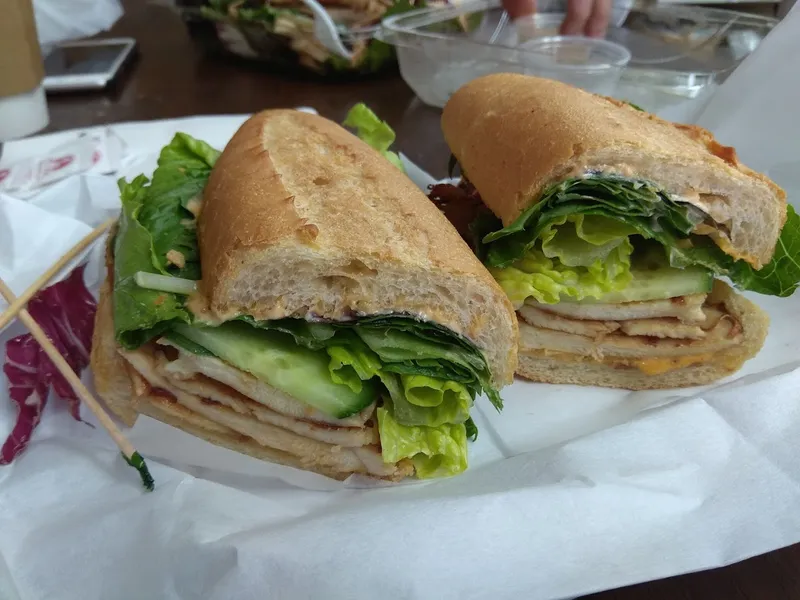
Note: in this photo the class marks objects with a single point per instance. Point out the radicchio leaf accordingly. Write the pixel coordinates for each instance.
(26, 389)
(65, 311)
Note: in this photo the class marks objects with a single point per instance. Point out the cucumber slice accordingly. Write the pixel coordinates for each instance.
(654, 279)
(274, 358)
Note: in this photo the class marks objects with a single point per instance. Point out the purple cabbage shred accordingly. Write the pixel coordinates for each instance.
(65, 311)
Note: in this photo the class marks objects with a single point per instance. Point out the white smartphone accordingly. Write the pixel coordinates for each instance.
(86, 65)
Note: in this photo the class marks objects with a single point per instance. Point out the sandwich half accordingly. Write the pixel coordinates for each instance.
(301, 302)
(610, 230)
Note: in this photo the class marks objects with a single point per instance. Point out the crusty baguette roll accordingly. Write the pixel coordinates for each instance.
(301, 217)
(642, 363)
(513, 135)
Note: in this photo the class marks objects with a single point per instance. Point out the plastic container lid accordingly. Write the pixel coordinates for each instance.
(591, 64)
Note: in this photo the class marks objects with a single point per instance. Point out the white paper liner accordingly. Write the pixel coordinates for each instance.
(570, 490)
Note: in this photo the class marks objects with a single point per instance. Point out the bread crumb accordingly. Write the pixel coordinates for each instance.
(194, 205)
(176, 258)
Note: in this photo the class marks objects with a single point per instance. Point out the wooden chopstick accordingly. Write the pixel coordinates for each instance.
(22, 300)
(133, 458)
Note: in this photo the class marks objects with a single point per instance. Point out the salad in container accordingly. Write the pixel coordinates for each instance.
(280, 33)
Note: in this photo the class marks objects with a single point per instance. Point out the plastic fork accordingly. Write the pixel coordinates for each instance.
(325, 30)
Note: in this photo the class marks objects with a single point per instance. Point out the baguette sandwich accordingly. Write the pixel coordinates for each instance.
(610, 230)
(301, 302)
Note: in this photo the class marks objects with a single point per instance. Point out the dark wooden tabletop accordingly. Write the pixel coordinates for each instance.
(173, 78)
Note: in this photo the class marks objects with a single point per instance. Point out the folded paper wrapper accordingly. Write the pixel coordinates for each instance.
(570, 490)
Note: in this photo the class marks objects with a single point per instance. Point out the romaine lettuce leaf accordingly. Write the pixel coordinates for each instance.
(651, 214)
(373, 131)
(581, 240)
(432, 368)
(433, 332)
(431, 402)
(549, 281)
(352, 365)
(396, 345)
(578, 256)
(184, 166)
(155, 220)
(139, 314)
(423, 391)
(417, 399)
(639, 205)
(435, 451)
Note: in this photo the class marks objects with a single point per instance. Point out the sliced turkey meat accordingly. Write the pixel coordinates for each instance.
(662, 328)
(229, 413)
(725, 332)
(689, 309)
(544, 318)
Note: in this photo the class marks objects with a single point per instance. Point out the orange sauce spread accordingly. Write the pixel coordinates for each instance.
(658, 366)
(652, 366)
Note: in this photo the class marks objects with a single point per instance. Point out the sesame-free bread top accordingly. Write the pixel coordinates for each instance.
(301, 218)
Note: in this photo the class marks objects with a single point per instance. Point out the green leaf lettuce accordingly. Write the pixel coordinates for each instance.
(579, 256)
(139, 314)
(184, 166)
(435, 451)
(154, 220)
(641, 209)
(370, 129)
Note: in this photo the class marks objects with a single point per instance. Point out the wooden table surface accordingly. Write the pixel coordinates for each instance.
(172, 78)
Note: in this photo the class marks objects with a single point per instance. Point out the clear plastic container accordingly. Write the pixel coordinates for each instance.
(679, 54)
(591, 64)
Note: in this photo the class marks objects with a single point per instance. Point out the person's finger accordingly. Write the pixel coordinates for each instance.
(578, 12)
(519, 8)
(598, 20)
